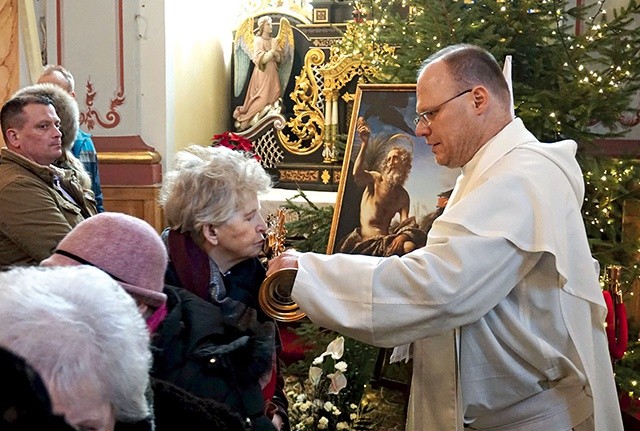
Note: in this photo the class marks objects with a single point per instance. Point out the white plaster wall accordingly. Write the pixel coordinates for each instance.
(90, 49)
(199, 43)
(176, 65)
(155, 102)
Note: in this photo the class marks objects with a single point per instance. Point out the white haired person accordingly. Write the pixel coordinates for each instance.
(84, 336)
(215, 235)
(187, 333)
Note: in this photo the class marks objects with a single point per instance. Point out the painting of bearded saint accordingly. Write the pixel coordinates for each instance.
(391, 188)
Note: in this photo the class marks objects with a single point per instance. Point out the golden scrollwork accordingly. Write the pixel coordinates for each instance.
(336, 74)
(303, 134)
(310, 128)
(300, 176)
(326, 176)
(341, 70)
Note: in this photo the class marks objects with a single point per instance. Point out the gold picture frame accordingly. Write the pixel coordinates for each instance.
(389, 110)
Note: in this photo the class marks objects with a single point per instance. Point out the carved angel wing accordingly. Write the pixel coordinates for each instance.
(242, 53)
(285, 42)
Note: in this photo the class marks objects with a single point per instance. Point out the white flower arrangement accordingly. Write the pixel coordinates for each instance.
(316, 403)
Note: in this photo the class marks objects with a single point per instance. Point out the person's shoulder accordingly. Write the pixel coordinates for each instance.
(19, 178)
(83, 142)
(172, 404)
(181, 294)
(194, 305)
(83, 135)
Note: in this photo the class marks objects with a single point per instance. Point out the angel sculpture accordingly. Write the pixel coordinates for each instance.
(272, 59)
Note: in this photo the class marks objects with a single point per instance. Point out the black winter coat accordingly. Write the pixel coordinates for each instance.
(176, 409)
(195, 351)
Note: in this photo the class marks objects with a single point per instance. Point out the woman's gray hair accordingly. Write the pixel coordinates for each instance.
(207, 186)
(76, 324)
(52, 69)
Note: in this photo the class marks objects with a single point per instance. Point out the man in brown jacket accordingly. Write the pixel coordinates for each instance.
(39, 203)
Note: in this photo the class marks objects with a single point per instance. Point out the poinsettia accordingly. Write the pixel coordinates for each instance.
(235, 142)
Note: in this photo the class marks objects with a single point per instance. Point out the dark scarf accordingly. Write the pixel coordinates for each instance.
(234, 293)
(189, 263)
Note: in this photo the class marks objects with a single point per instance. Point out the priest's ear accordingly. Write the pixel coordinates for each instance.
(481, 98)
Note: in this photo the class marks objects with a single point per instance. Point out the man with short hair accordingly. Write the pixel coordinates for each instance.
(39, 203)
(502, 306)
(83, 147)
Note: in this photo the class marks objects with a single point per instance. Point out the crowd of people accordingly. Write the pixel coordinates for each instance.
(180, 342)
(109, 325)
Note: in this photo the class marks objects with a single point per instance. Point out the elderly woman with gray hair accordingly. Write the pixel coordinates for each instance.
(84, 336)
(214, 238)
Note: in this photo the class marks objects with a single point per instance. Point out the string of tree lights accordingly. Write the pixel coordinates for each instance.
(576, 75)
(576, 71)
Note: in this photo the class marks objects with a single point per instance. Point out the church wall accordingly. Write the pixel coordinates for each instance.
(156, 69)
(151, 78)
(8, 48)
(199, 38)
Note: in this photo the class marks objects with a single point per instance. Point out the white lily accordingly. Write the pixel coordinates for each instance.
(314, 375)
(338, 382)
(341, 366)
(335, 348)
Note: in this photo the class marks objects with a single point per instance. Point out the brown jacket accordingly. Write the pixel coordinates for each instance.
(34, 214)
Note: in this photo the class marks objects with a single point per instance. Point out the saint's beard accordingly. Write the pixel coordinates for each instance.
(394, 177)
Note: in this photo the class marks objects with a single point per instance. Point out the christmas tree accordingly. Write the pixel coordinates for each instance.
(575, 73)
(572, 66)
(576, 70)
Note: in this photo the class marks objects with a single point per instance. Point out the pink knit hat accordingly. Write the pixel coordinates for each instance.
(125, 247)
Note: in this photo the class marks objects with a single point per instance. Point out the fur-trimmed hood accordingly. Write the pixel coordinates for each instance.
(65, 105)
(67, 109)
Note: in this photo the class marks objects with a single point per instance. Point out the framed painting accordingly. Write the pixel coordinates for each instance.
(390, 183)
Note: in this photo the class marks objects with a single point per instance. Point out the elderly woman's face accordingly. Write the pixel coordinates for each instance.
(242, 236)
(87, 410)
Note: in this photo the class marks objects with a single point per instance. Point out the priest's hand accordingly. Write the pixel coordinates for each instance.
(288, 259)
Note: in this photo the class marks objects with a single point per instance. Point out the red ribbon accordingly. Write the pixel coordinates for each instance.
(617, 326)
